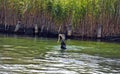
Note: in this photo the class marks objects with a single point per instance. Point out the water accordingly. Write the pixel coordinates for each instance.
(29, 56)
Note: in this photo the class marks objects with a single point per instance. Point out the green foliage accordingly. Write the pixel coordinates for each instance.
(61, 9)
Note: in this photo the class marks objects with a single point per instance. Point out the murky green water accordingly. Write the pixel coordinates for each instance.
(42, 56)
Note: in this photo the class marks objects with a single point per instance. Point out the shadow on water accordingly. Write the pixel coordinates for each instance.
(14, 61)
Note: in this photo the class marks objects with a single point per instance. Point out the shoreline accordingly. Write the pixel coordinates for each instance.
(29, 32)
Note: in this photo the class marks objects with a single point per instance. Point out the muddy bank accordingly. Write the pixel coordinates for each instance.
(30, 31)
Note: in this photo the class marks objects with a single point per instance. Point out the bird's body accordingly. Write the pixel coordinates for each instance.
(62, 38)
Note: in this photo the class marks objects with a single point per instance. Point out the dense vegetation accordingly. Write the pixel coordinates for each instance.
(85, 16)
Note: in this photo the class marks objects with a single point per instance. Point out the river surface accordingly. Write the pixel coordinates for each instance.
(17, 59)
